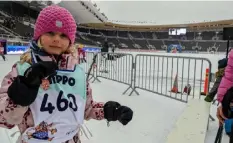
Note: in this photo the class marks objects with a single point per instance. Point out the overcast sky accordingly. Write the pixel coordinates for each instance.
(165, 12)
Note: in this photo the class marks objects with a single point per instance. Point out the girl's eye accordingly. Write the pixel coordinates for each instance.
(51, 33)
(63, 36)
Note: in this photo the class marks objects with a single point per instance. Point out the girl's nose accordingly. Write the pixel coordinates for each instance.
(56, 38)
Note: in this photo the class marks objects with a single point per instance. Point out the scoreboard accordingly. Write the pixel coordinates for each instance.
(177, 31)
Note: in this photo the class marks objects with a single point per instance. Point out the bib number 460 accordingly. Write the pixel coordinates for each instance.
(61, 103)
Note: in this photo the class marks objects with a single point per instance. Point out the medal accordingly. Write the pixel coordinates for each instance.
(45, 84)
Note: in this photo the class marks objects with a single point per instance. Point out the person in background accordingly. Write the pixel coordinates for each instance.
(225, 97)
(113, 48)
(81, 54)
(218, 75)
(105, 48)
(2, 52)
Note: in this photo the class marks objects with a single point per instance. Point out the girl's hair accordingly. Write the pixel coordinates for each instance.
(26, 57)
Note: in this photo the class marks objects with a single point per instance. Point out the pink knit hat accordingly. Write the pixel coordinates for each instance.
(55, 19)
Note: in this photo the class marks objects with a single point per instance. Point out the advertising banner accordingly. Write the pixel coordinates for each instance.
(16, 49)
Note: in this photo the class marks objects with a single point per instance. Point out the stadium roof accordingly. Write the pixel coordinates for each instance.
(204, 26)
(165, 12)
(87, 17)
(83, 11)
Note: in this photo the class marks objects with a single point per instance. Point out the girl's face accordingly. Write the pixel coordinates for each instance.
(55, 42)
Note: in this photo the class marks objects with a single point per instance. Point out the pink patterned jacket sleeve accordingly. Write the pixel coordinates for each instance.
(227, 80)
(94, 110)
(10, 114)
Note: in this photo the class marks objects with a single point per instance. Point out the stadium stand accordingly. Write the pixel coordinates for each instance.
(18, 18)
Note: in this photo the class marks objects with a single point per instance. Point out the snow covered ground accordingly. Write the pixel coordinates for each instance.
(154, 115)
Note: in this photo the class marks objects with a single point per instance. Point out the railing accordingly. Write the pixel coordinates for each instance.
(8, 30)
(176, 77)
(116, 67)
(169, 75)
(22, 19)
(18, 38)
(88, 62)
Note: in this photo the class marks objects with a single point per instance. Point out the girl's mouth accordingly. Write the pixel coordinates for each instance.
(54, 47)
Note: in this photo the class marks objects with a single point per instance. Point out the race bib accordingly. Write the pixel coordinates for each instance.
(59, 111)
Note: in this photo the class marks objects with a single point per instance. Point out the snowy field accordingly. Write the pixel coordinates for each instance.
(154, 115)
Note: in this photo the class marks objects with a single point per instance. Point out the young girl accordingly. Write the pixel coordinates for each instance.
(46, 94)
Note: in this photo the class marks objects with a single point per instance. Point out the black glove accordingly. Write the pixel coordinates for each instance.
(222, 63)
(34, 74)
(23, 91)
(125, 114)
(20, 93)
(113, 111)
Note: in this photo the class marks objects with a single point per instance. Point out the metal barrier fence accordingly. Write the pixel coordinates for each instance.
(116, 67)
(159, 74)
(112, 66)
(87, 63)
(169, 75)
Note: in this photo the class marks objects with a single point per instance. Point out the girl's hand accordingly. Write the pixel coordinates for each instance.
(113, 111)
(34, 74)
